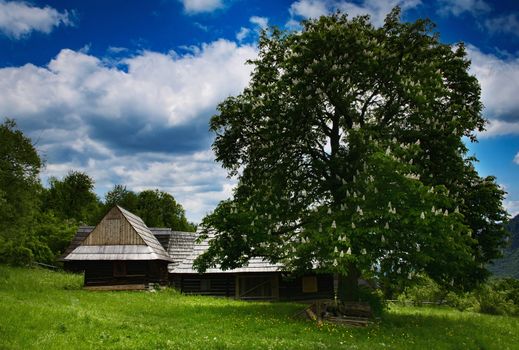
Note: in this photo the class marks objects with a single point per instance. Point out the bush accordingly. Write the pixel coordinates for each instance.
(425, 290)
(375, 298)
(499, 297)
(462, 301)
(15, 255)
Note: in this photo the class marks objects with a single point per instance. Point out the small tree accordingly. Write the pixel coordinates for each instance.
(20, 188)
(156, 208)
(348, 148)
(73, 197)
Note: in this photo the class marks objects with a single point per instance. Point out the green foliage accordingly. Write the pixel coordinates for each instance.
(19, 194)
(156, 208)
(462, 301)
(72, 198)
(347, 145)
(375, 298)
(499, 297)
(423, 290)
(119, 195)
(55, 233)
(48, 310)
(496, 297)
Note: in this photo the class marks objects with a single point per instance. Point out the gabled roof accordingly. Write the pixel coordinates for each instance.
(184, 257)
(161, 233)
(120, 235)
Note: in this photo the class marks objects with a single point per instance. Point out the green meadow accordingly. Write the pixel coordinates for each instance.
(42, 309)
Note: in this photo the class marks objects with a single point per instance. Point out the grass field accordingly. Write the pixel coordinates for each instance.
(41, 309)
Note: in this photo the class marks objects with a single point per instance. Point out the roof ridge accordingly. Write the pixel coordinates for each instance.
(146, 235)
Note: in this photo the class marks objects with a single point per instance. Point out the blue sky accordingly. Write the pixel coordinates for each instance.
(124, 89)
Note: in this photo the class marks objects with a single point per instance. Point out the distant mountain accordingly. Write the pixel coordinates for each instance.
(508, 265)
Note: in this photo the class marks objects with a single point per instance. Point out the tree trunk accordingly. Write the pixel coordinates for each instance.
(349, 284)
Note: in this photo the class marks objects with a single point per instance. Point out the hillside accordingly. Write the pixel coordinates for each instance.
(508, 266)
(48, 310)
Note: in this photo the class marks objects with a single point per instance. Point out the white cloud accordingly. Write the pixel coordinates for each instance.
(377, 9)
(161, 88)
(496, 127)
(199, 6)
(516, 158)
(512, 207)
(193, 179)
(19, 19)
(499, 79)
(458, 7)
(503, 24)
(310, 8)
(242, 34)
(145, 126)
(261, 22)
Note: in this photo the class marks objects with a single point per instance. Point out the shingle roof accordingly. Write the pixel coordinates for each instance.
(81, 233)
(114, 252)
(101, 252)
(180, 246)
(183, 262)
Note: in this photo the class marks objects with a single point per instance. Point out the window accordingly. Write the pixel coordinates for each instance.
(309, 284)
(119, 268)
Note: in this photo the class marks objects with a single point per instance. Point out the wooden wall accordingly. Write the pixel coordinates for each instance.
(101, 273)
(114, 229)
(232, 285)
(222, 284)
(291, 288)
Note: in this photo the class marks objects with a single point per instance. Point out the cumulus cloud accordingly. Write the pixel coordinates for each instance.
(458, 7)
(507, 24)
(142, 122)
(516, 158)
(193, 179)
(499, 79)
(258, 24)
(377, 9)
(512, 207)
(19, 19)
(243, 33)
(261, 22)
(200, 6)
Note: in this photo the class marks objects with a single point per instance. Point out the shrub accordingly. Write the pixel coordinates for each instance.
(499, 297)
(462, 301)
(425, 290)
(375, 298)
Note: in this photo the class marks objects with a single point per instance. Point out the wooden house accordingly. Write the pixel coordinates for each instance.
(258, 280)
(120, 252)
